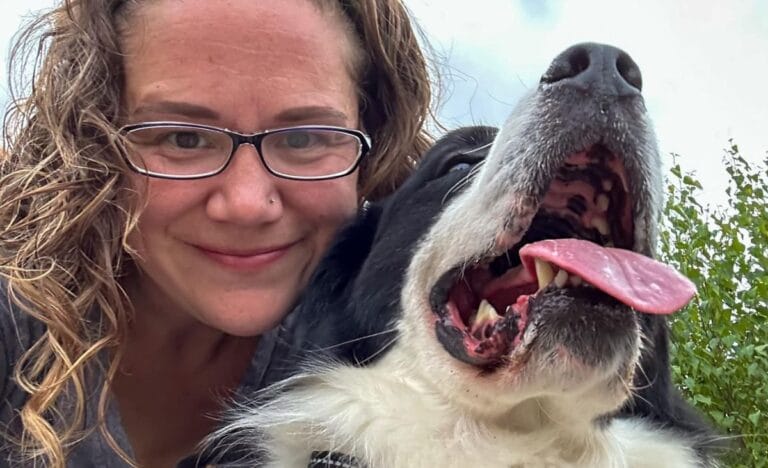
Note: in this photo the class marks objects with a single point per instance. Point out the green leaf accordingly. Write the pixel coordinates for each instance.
(691, 182)
(702, 399)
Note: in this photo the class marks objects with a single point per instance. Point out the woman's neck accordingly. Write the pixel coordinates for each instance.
(160, 329)
(174, 374)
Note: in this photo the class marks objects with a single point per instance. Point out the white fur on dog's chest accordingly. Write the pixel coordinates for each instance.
(385, 417)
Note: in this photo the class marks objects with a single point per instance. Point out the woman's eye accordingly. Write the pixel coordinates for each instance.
(298, 140)
(186, 140)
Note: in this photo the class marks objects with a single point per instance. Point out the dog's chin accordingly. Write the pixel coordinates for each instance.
(573, 347)
(577, 341)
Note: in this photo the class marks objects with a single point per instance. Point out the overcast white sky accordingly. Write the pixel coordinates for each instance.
(704, 63)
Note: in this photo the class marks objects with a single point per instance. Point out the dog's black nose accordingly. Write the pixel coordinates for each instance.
(597, 68)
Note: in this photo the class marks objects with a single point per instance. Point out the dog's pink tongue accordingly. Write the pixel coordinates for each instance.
(636, 280)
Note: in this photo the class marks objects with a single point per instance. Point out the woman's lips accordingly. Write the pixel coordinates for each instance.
(246, 260)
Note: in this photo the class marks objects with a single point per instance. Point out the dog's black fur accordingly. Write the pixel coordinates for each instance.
(352, 312)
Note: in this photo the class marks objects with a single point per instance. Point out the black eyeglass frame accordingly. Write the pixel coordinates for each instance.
(255, 140)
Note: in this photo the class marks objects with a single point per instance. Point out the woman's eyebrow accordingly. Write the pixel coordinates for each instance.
(306, 113)
(194, 111)
(184, 109)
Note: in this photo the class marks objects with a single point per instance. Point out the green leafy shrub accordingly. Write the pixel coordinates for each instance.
(720, 341)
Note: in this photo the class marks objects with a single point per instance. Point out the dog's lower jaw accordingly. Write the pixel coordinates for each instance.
(387, 416)
(542, 369)
(552, 390)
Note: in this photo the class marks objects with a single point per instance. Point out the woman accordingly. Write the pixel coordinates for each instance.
(153, 235)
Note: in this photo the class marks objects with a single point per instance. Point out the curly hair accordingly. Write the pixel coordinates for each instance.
(66, 206)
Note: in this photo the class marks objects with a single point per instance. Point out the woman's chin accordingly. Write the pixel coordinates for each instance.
(244, 315)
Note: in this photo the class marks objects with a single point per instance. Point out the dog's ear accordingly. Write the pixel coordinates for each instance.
(652, 383)
(654, 396)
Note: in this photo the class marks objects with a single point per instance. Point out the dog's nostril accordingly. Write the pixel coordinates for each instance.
(629, 70)
(567, 65)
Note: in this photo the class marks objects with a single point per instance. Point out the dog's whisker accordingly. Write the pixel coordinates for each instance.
(383, 348)
(631, 389)
(727, 438)
(479, 148)
(550, 417)
(355, 340)
(650, 381)
(461, 183)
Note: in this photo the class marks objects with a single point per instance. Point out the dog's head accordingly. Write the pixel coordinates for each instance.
(505, 315)
(528, 281)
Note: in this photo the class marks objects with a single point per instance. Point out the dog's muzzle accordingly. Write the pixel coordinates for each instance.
(577, 255)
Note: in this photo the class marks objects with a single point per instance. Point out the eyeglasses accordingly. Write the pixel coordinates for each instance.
(173, 150)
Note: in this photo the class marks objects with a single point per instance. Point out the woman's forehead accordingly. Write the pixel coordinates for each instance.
(239, 24)
(271, 51)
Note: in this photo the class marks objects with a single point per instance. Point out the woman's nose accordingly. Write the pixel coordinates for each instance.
(246, 192)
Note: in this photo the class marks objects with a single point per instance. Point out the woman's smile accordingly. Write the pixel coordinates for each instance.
(246, 260)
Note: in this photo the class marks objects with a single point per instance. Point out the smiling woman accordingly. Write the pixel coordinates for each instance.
(262, 252)
(169, 193)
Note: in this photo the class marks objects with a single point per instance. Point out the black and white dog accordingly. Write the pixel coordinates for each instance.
(501, 309)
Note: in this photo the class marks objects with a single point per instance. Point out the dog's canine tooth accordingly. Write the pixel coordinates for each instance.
(561, 278)
(601, 224)
(486, 312)
(603, 202)
(544, 273)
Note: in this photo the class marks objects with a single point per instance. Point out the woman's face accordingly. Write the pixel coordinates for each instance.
(216, 249)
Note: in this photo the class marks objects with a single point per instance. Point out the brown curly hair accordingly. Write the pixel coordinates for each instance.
(66, 207)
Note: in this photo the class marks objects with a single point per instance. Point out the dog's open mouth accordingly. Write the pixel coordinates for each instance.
(580, 237)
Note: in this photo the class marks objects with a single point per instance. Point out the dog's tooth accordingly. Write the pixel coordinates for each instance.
(601, 224)
(544, 273)
(486, 312)
(575, 280)
(607, 184)
(561, 278)
(603, 202)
